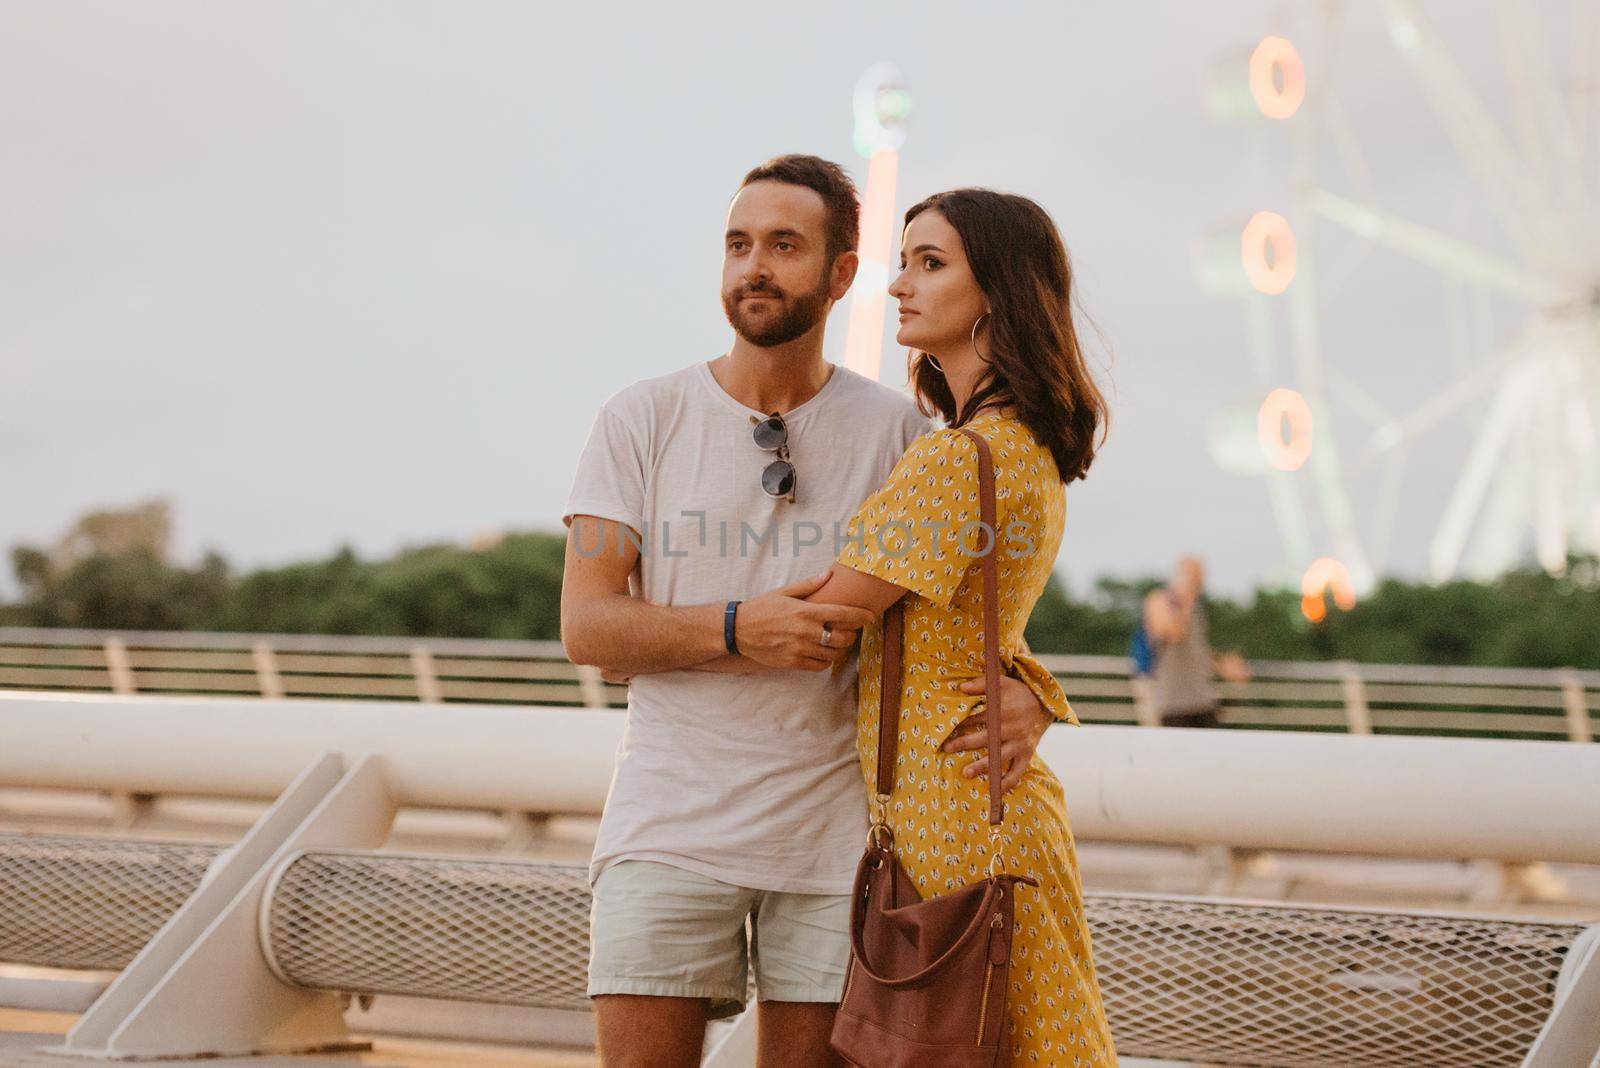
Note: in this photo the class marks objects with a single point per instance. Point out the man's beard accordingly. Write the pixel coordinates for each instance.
(800, 314)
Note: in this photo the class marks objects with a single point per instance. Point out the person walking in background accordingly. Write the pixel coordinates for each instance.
(1183, 690)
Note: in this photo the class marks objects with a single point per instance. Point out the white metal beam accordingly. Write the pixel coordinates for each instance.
(493, 757)
(1405, 796)
(201, 986)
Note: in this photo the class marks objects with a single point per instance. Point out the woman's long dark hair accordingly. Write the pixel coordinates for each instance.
(1035, 362)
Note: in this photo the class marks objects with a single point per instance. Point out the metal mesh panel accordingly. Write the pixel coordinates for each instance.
(69, 902)
(1223, 983)
(1267, 985)
(513, 933)
(1216, 982)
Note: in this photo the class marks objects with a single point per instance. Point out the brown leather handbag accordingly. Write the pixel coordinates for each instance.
(927, 981)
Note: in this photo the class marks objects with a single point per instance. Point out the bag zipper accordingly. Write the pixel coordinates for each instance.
(988, 975)
(983, 1006)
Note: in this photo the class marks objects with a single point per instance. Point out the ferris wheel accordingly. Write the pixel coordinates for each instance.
(1334, 447)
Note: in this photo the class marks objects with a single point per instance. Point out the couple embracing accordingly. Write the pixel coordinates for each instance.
(739, 532)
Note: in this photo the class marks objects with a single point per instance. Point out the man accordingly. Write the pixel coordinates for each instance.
(1182, 691)
(736, 797)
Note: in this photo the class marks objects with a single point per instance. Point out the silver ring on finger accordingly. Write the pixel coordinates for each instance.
(827, 633)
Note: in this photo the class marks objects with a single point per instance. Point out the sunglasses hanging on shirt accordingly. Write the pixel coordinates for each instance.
(779, 478)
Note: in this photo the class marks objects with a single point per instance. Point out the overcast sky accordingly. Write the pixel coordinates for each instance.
(361, 273)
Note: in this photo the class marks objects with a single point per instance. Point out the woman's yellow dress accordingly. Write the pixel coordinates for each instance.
(909, 533)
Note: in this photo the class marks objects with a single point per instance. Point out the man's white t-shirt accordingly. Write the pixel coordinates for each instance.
(750, 779)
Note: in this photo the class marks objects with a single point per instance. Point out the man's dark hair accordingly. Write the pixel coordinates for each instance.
(838, 192)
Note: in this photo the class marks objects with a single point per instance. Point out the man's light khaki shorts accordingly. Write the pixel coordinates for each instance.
(663, 931)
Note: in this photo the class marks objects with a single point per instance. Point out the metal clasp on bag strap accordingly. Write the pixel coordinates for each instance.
(879, 834)
(996, 867)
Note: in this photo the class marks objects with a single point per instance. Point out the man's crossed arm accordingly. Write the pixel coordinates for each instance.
(603, 625)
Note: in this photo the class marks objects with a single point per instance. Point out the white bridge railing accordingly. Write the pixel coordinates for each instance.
(1357, 698)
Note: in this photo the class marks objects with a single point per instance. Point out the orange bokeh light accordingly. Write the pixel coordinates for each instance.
(1325, 575)
(1277, 78)
(1313, 608)
(1285, 409)
(1266, 247)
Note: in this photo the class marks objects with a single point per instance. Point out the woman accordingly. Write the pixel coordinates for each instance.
(985, 307)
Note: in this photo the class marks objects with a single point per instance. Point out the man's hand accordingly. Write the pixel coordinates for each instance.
(1022, 724)
(780, 630)
(1233, 667)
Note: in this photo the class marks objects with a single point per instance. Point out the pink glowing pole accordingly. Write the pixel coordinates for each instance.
(881, 107)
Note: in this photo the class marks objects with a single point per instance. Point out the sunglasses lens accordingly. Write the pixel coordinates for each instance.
(770, 434)
(778, 479)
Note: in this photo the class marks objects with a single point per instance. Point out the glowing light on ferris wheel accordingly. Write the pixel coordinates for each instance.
(1325, 575)
(882, 105)
(1277, 78)
(1266, 248)
(1284, 429)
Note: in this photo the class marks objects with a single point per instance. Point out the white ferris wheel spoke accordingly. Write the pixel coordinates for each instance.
(1494, 434)
(1435, 249)
(1519, 66)
(1585, 51)
(1500, 531)
(1547, 133)
(1436, 409)
(1347, 147)
(1394, 473)
(1571, 427)
(1347, 150)
(1551, 480)
(1290, 512)
(1356, 397)
(1481, 144)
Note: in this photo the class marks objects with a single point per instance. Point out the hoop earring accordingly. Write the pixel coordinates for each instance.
(975, 322)
(929, 357)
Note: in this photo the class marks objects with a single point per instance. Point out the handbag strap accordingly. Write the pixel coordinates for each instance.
(893, 648)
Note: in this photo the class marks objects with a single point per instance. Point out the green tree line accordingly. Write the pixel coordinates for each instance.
(513, 590)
